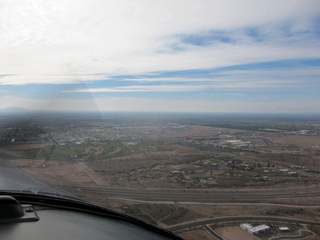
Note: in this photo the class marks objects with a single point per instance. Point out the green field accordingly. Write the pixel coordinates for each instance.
(87, 152)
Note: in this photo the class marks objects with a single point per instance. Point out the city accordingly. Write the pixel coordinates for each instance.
(175, 169)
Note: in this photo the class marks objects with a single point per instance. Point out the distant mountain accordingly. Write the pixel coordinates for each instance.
(14, 110)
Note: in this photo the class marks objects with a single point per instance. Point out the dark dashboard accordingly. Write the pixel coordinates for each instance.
(26, 216)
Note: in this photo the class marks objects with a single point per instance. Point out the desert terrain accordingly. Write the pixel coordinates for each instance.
(171, 171)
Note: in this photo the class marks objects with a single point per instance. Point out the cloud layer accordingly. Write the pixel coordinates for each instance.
(144, 46)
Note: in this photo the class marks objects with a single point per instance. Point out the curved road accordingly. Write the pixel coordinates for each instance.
(303, 234)
(239, 218)
(11, 177)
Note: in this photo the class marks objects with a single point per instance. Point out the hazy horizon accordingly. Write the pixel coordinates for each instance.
(180, 56)
(25, 112)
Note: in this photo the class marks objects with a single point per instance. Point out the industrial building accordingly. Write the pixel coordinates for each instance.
(284, 229)
(255, 230)
(246, 226)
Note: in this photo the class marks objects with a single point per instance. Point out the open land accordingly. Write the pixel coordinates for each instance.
(235, 232)
(176, 169)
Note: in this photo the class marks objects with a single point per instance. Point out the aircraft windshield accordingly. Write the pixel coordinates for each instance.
(171, 111)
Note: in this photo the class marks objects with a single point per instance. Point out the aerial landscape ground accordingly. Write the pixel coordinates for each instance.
(174, 170)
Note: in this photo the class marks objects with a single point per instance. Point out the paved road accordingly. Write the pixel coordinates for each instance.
(213, 233)
(14, 178)
(239, 218)
(194, 195)
(303, 234)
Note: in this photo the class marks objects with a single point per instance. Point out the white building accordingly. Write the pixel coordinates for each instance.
(284, 229)
(259, 229)
(245, 226)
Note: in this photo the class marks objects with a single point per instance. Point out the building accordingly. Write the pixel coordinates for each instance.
(259, 229)
(255, 230)
(245, 226)
(284, 229)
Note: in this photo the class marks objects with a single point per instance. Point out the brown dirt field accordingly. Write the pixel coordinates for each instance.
(225, 210)
(292, 159)
(196, 235)
(211, 211)
(315, 230)
(162, 214)
(300, 141)
(235, 233)
(101, 200)
(116, 150)
(96, 151)
(57, 173)
(314, 238)
(176, 151)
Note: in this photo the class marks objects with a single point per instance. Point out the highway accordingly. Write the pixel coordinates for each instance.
(204, 196)
(12, 178)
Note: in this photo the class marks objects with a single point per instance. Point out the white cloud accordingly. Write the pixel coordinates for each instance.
(68, 41)
(223, 84)
(210, 57)
(159, 88)
(44, 79)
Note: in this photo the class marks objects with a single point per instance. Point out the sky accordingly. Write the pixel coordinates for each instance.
(250, 56)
